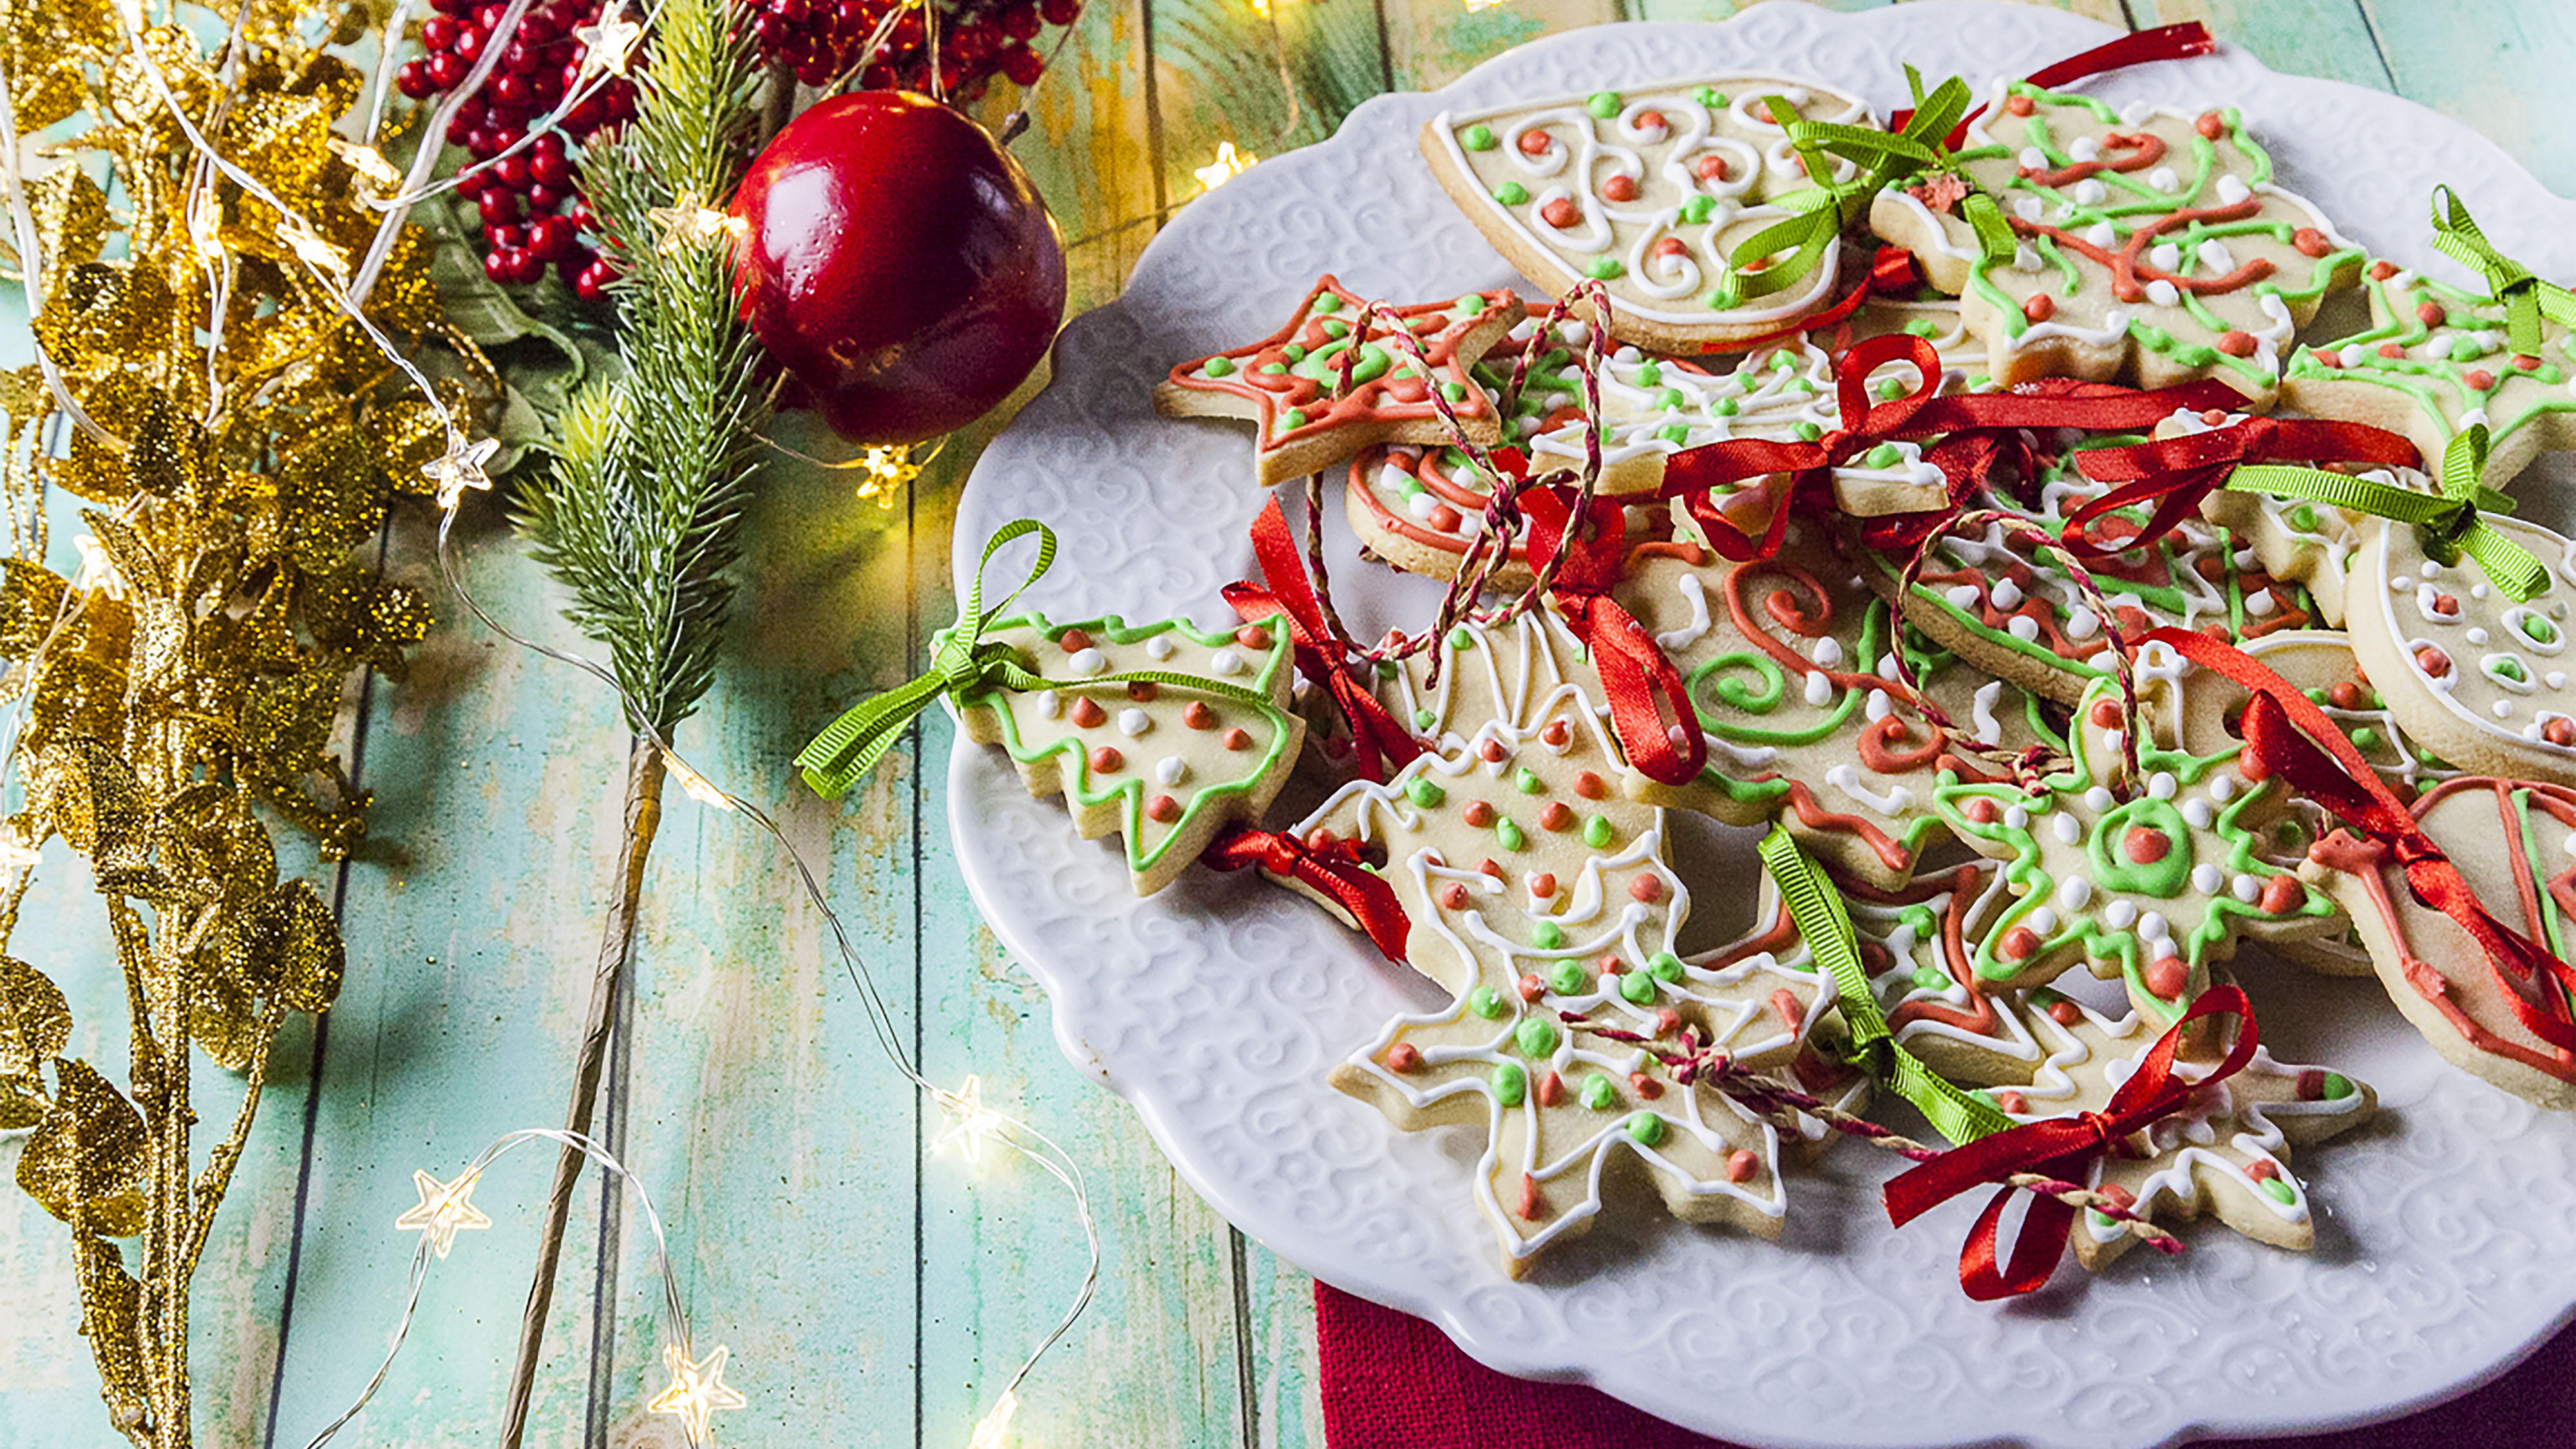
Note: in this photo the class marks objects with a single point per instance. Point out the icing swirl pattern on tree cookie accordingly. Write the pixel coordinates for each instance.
(2151, 244)
(1644, 191)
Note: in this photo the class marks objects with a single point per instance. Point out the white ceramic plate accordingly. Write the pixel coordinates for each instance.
(2447, 1235)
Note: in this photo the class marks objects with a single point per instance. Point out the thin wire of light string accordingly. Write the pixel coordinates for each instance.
(675, 1318)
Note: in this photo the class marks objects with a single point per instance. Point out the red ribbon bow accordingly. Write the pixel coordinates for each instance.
(1378, 741)
(2179, 472)
(1331, 867)
(2288, 735)
(1641, 682)
(2062, 1148)
(2164, 42)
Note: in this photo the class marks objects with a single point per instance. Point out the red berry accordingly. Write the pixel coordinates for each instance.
(474, 110)
(413, 80)
(488, 16)
(499, 208)
(1059, 12)
(527, 268)
(592, 284)
(446, 71)
(543, 199)
(484, 144)
(554, 170)
(496, 265)
(468, 44)
(1020, 22)
(550, 237)
(510, 93)
(502, 238)
(1023, 65)
(438, 32)
(447, 7)
(512, 171)
(815, 73)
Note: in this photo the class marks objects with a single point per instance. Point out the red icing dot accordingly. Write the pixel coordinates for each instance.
(2432, 663)
(2446, 604)
(2236, 343)
(1533, 1202)
(2039, 308)
(2282, 895)
(1088, 713)
(2118, 1196)
(2214, 417)
(1491, 869)
(2020, 105)
(1647, 887)
(1478, 813)
(2252, 767)
(2020, 943)
(2347, 695)
(1073, 641)
(1403, 1058)
(1107, 761)
(2312, 1084)
(1619, 188)
(1589, 786)
(2430, 313)
(2331, 360)
(1252, 636)
(2479, 379)
(1493, 751)
(2211, 124)
(1443, 519)
(1650, 120)
(1711, 167)
(2525, 362)
(2560, 732)
(2262, 1169)
(1533, 142)
(1667, 1021)
(1542, 886)
(1555, 815)
(2311, 242)
(2382, 271)
(2106, 714)
(1557, 732)
(1531, 988)
(1645, 1086)
(1236, 739)
(1670, 246)
(2167, 977)
(1320, 838)
(1982, 810)
(1741, 1165)
(2146, 846)
(1141, 690)
(2064, 1012)
(1560, 213)
(1551, 1089)
(2392, 351)
(1610, 964)
(1163, 809)
(1453, 897)
(2013, 1103)
(1197, 715)
(1786, 1006)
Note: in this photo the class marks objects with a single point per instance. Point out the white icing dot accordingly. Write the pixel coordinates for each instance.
(2162, 784)
(2353, 354)
(1160, 647)
(2247, 889)
(1626, 355)
(2163, 293)
(2232, 190)
(1392, 478)
(2026, 259)
(2197, 814)
(2041, 919)
(2022, 627)
(2066, 827)
(2112, 741)
(2401, 584)
(2033, 157)
(2089, 192)
(2006, 594)
(2260, 603)
(2215, 255)
(2503, 709)
(1133, 721)
(1576, 333)
(2098, 799)
(2104, 235)
(2076, 892)
(1879, 706)
(1829, 653)
(1086, 662)
(1820, 689)
(2555, 679)
(2164, 179)
(2119, 914)
(2152, 928)
(1962, 596)
(2084, 148)
(2221, 785)
(1421, 505)
(2477, 636)
(1050, 703)
(2081, 623)
(2207, 878)
(2028, 208)
(1171, 769)
(2016, 817)
(2164, 256)
(1226, 661)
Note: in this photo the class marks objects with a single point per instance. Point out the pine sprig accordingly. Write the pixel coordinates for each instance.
(641, 512)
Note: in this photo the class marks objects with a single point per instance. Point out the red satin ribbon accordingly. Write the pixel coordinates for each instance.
(1643, 686)
(2288, 735)
(1331, 868)
(1378, 741)
(2179, 472)
(1893, 271)
(2063, 1148)
(2165, 42)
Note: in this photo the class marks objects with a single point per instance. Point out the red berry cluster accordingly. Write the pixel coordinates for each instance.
(532, 211)
(978, 39)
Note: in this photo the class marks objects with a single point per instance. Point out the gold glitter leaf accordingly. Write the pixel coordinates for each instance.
(71, 216)
(35, 1022)
(133, 100)
(287, 721)
(87, 792)
(75, 694)
(333, 492)
(284, 140)
(295, 947)
(224, 1021)
(364, 618)
(169, 452)
(86, 1161)
(106, 313)
(31, 600)
(44, 86)
(111, 1319)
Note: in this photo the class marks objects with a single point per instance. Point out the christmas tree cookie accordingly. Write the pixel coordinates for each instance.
(1788, 662)
(1166, 766)
(2514, 842)
(1290, 383)
(2150, 246)
(2152, 879)
(1646, 192)
(2478, 679)
(2434, 360)
(1513, 674)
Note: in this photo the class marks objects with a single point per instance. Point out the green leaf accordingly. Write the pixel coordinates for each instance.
(86, 1161)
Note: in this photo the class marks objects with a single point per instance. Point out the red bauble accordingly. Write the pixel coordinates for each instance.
(897, 261)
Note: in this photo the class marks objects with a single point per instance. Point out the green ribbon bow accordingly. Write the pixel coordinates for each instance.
(2526, 298)
(966, 664)
(2449, 518)
(1817, 908)
(1819, 214)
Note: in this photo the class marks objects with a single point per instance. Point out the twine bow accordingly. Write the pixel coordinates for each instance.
(2060, 1147)
(963, 663)
(1330, 868)
(1817, 909)
(1379, 743)
(2449, 519)
(2177, 473)
(1642, 684)
(2526, 298)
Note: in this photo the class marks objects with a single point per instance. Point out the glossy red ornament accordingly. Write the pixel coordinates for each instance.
(898, 262)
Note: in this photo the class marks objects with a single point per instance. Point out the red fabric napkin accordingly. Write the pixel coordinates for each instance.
(1392, 1381)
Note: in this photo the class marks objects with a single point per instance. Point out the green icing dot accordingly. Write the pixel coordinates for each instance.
(1603, 104)
(2539, 630)
(1471, 305)
(1273, 369)
(1326, 302)
(1291, 420)
(2318, 696)
(1646, 1129)
(1597, 833)
(1599, 1094)
(2365, 737)
(1294, 352)
(1709, 96)
(1728, 407)
(2508, 668)
(1486, 1002)
(1566, 978)
(1547, 935)
(2304, 518)
(1424, 719)
(1676, 434)
(1424, 793)
(1526, 781)
(1649, 375)
(1882, 457)
(1511, 193)
(1218, 367)
(1698, 209)
(1454, 391)
(2337, 1087)
(1477, 138)
(1665, 965)
(1535, 1036)
(1927, 979)
(2279, 1191)
(1637, 986)
(1509, 834)
(1922, 328)
(1511, 1084)
(1602, 269)
(1890, 390)
(1783, 362)
(1808, 432)
(1337, 328)
(1460, 639)
(1388, 668)
(2100, 1218)
(1669, 400)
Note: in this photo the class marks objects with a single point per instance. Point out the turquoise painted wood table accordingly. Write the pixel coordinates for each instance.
(872, 1291)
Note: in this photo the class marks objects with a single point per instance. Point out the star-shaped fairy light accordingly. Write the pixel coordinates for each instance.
(884, 471)
(697, 1389)
(696, 786)
(606, 44)
(460, 468)
(313, 251)
(367, 161)
(687, 222)
(446, 1209)
(97, 570)
(1229, 164)
(971, 1124)
(990, 1429)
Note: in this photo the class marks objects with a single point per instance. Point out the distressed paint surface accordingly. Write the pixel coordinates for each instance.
(873, 1293)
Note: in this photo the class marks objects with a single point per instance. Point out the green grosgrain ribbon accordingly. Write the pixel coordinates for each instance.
(2526, 298)
(1819, 214)
(966, 664)
(1817, 909)
(2449, 518)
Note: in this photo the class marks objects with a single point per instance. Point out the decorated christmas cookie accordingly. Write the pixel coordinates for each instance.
(2150, 246)
(1290, 383)
(2515, 845)
(1510, 674)
(1645, 191)
(2434, 360)
(1419, 508)
(2013, 609)
(2478, 679)
(1536, 892)
(1789, 668)
(1165, 765)
(2152, 879)
(2224, 1153)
